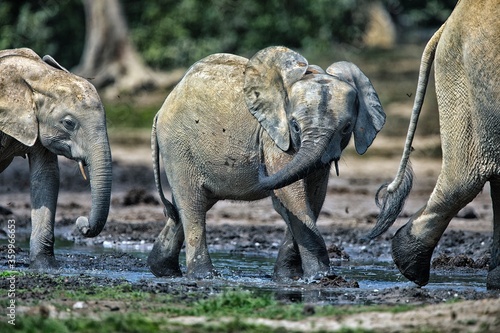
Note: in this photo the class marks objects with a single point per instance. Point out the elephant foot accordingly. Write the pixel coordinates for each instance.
(294, 272)
(44, 262)
(203, 274)
(284, 272)
(201, 269)
(162, 266)
(411, 256)
(493, 279)
(288, 265)
(164, 269)
(318, 275)
(316, 266)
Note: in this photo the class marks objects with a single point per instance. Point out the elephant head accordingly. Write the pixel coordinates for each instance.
(310, 112)
(42, 103)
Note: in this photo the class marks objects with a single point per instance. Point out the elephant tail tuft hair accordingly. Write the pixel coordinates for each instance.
(169, 209)
(390, 200)
(394, 194)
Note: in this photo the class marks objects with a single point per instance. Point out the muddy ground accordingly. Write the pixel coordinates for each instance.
(254, 228)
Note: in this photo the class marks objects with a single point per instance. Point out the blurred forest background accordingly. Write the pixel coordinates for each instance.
(135, 51)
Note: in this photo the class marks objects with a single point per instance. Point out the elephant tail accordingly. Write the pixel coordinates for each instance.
(169, 209)
(390, 198)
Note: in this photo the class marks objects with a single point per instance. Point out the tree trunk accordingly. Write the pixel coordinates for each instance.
(109, 58)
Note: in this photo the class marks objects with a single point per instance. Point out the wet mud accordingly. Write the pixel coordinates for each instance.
(250, 233)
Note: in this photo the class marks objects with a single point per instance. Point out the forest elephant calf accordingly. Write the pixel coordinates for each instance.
(242, 129)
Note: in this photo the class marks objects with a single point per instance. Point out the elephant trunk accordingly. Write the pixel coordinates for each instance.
(100, 172)
(309, 158)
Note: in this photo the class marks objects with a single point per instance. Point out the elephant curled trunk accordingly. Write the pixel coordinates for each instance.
(100, 172)
(309, 157)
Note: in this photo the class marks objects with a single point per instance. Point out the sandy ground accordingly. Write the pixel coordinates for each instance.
(348, 213)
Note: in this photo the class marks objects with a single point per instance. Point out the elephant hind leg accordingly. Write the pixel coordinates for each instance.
(414, 243)
(411, 256)
(493, 280)
(163, 260)
(193, 205)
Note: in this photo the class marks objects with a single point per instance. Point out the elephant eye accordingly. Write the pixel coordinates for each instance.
(347, 128)
(69, 124)
(295, 126)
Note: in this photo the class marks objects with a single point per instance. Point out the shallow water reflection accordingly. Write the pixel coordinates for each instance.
(253, 271)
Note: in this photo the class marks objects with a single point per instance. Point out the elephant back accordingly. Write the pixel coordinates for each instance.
(213, 84)
(217, 66)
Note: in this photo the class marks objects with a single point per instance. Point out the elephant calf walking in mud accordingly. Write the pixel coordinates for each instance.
(244, 129)
(46, 111)
(467, 70)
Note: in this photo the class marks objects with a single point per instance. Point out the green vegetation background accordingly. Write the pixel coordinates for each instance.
(176, 33)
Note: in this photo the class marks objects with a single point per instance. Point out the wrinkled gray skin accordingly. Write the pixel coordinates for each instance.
(46, 111)
(466, 51)
(244, 129)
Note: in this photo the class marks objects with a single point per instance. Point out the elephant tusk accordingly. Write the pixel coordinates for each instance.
(82, 170)
(337, 167)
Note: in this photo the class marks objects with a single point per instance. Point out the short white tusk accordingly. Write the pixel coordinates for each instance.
(82, 170)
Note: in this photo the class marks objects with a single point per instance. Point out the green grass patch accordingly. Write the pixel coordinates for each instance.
(8, 274)
(125, 323)
(128, 115)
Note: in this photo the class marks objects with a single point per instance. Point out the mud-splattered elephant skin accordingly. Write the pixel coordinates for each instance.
(245, 129)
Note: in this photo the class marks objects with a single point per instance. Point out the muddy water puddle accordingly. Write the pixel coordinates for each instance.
(253, 271)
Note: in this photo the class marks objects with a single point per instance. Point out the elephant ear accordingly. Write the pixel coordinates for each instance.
(315, 69)
(20, 52)
(269, 74)
(52, 62)
(371, 116)
(17, 106)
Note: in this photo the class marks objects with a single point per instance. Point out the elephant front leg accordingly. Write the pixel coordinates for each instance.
(288, 264)
(44, 178)
(312, 248)
(493, 279)
(163, 260)
(292, 205)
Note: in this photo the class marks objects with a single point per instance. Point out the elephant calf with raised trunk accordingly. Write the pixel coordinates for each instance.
(46, 111)
(466, 50)
(244, 129)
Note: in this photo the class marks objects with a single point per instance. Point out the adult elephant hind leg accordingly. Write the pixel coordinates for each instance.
(163, 260)
(44, 179)
(493, 279)
(414, 243)
(411, 255)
